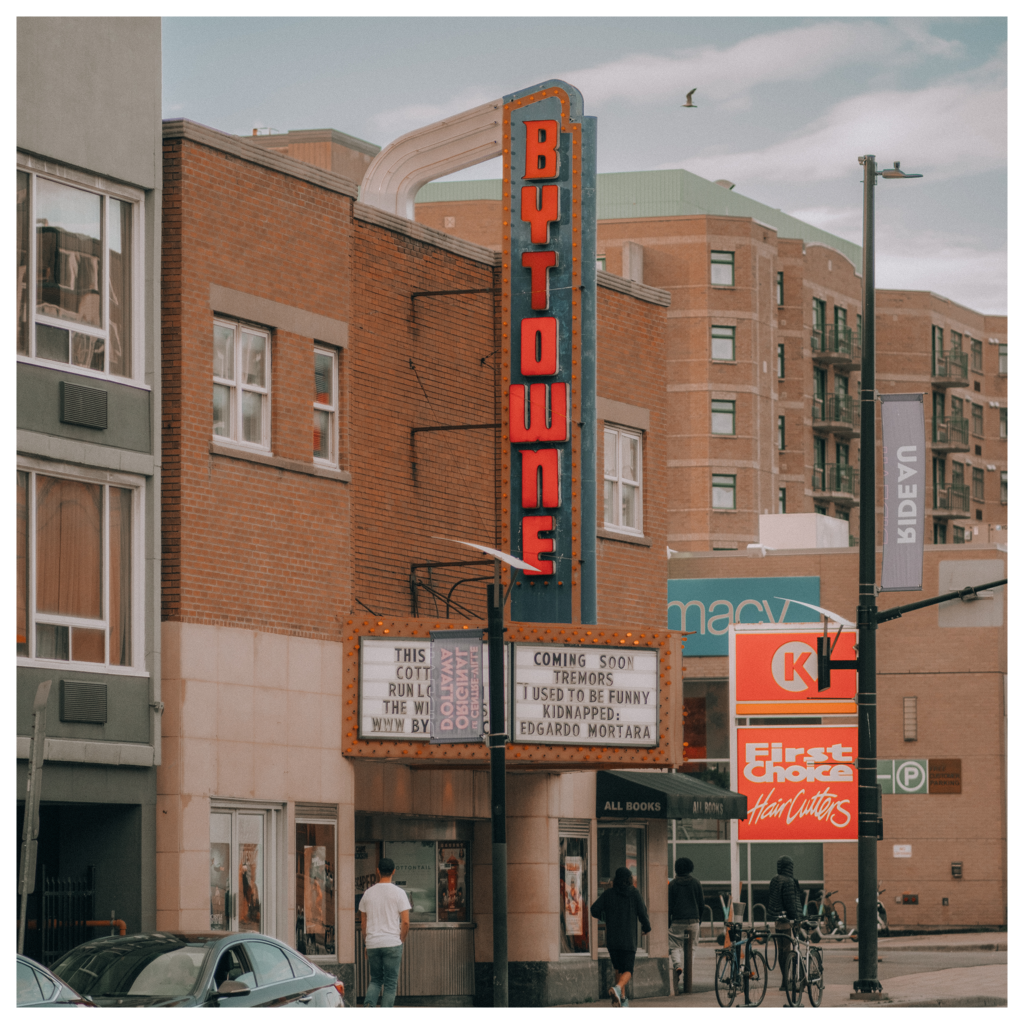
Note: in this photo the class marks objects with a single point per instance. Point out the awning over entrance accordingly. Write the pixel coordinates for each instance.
(664, 795)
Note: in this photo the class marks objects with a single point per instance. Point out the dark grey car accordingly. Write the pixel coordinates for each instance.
(38, 987)
(196, 969)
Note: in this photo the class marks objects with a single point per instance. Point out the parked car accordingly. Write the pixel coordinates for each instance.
(38, 987)
(196, 969)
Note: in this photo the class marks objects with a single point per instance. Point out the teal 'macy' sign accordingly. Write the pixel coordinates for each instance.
(706, 608)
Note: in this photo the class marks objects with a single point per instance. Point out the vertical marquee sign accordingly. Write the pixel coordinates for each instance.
(548, 343)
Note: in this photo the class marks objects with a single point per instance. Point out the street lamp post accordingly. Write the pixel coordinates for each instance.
(869, 804)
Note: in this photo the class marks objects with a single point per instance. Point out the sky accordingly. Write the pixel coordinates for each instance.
(784, 108)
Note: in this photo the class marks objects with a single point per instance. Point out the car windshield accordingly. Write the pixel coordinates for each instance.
(148, 966)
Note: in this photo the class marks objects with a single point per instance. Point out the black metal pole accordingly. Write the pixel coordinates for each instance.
(867, 762)
(499, 850)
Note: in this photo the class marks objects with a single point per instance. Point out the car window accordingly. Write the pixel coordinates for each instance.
(28, 987)
(269, 963)
(47, 986)
(233, 966)
(172, 974)
(301, 968)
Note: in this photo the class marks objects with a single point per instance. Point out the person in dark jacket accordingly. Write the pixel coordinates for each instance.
(621, 907)
(685, 910)
(785, 907)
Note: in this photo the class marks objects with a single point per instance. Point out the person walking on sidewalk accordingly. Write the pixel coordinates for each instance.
(685, 910)
(384, 912)
(621, 907)
(784, 906)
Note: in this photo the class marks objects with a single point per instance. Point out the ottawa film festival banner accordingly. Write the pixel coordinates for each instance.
(573, 895)
(903, 462)
(314, 888)
(456, 685)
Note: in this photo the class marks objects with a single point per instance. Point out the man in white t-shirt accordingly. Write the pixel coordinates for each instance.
(384, 909)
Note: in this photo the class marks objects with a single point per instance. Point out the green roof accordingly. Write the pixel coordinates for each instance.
(673, 193)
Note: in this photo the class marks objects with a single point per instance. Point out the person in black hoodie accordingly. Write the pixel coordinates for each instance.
(685, 909)
(621, 907)
(784, 906)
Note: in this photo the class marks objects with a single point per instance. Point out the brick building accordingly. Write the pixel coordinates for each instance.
(330, 400)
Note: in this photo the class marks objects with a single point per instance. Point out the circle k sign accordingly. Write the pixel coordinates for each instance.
(782, 664)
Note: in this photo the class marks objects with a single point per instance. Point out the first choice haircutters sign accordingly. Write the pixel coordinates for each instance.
(548, 345)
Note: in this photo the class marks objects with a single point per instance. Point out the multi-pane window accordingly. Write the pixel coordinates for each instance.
(840, 318)
(1002, 423)
(976, 354)
(958, 535)
(780, 360)
(956, 341)
(842, 385)
(819, 452)
(818, 314)
(325, 406)
(956, 407)
(623, 483)
(820, 382)
(75, 562)
(842, 454)
(1003, 358)
(723, 268)
(77, 247)
(782, 433)
(977, 419)
(978, 484)
(241, 383)
(723, 343)
(957, 478)
(860, 326)
(939, 472)
(1003, 490)
(909, 719)
(821, 510)
(723, 491)
(315, 888)
(782, 501)
(780, 293)
(602, 262)
(723, 416)
(939, 533)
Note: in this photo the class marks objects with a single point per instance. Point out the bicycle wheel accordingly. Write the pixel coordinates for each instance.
(755, 979)
(726, 985)
(771, 951)
(815, 977)
(796, 979)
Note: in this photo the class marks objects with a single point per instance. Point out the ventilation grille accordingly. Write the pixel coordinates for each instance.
(86, 407)
(316, 810)
(574, 827)
(83, 702)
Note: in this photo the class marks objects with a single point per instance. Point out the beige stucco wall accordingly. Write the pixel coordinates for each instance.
(247, 716)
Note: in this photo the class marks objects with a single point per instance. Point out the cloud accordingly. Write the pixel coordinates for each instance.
(727, 74)
(399, 120)
(954, 128)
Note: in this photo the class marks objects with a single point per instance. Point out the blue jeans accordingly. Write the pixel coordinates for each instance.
(384, 964)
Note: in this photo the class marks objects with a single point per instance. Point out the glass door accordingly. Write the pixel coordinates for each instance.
(238, 870)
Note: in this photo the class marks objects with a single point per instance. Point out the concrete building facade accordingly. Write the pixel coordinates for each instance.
(88, 416)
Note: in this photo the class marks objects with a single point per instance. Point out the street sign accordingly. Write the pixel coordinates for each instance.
(901, 850)
(774, 670)
(800, 782)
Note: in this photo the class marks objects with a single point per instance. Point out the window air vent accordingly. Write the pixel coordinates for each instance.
(83, 702)
(86, 407)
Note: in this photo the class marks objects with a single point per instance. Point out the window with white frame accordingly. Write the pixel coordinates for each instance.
(79, 249)
(623, 479)
(723, 416)
(77, 562)
(723, 491)
(241, 383)
(723, 343)
(325, 406)
(723, 268)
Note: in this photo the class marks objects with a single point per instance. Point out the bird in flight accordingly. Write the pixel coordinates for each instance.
(689, 99)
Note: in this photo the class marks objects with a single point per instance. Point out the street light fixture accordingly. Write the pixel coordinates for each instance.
(869, 819)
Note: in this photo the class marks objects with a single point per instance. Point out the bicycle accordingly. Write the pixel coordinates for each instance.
(735, 972)
(805, 970)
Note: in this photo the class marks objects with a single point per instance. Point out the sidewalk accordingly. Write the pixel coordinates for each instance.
(981, 985)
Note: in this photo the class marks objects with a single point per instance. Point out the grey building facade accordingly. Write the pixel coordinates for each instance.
(89, 173)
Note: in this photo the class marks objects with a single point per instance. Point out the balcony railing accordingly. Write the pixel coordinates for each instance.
(950, 433)
(950, 366)
(837, 478)
(953, 499)
(836, 344)
(842, 411)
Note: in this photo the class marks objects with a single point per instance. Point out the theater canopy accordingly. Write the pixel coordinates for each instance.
(661, 795)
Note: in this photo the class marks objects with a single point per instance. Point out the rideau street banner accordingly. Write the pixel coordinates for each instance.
(903, 462)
